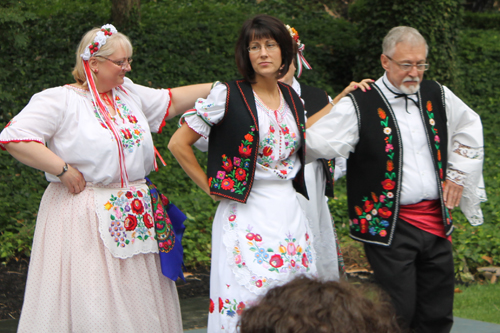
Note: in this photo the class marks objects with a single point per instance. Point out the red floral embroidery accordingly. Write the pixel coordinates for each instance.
(368, 206)
(384, 212)
(276, 261)
(211, 307)
(245, 151)
(227, 184)
(130, 222)
(388, 184)
(267, 151)
(129, 195)
(137, 206)
(249, 137)
(240, 174)
(240, 308)
(148, 220)
(227, 164)
(221, 305)
(305, 261)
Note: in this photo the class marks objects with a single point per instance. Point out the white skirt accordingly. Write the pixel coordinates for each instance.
(256, 246)
(76, 285)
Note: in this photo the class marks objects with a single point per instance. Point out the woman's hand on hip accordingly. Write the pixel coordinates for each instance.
(73, 180)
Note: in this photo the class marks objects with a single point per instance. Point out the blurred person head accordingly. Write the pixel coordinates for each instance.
(308, 305)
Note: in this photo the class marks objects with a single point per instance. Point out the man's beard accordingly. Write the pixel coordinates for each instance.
(411, 89)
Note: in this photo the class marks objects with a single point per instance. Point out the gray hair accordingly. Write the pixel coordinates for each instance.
(402, 34)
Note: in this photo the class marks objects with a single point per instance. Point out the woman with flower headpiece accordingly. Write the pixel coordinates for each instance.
(255, 126)
(94, 265)
(320, 175)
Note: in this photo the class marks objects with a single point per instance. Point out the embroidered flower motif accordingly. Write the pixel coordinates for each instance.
(387, 130)
(429, 106)
(148, 220)
(108, 205)
(211, 307)
(390, 165)
(137, 206)
(221, 305)
(381, 114)
(276, 261)
(227, 164)
(432, 122)
(245, 151)
(390, 195)
(235, 175)
(305, 260)
(250, 236)
(227, 184)
(130, 222)
(240, 308)
(249, 137)
(382, 233)
(384, 212)
(267, 151)
(388, 184)
(240, 174)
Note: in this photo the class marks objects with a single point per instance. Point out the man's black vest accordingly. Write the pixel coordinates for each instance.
(234, 142)
(374, 171)
(315, 100)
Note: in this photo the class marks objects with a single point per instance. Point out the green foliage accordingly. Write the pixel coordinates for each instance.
(478, 302)
(487, 20)
(437, 21)
(179, 42)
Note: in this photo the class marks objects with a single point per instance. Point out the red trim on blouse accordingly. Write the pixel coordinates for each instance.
(163, 122)
(2, 147)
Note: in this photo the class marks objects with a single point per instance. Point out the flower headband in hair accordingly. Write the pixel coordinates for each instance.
(301, 61)
(100, 39)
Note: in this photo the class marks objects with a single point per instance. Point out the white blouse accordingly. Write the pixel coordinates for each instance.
(65, 120)
(279, 137)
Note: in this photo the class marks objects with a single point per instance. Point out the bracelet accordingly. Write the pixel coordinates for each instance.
(65, 168)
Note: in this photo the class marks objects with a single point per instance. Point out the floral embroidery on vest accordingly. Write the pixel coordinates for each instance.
(131, 217)
(372, 217)
(437, 141)
(234, 173)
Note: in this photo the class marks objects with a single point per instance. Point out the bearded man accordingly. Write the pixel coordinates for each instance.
(415, 151)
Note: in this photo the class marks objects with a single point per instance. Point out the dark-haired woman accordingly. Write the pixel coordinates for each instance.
(256, 127)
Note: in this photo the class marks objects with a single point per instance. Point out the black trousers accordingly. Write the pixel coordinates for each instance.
(417, 272)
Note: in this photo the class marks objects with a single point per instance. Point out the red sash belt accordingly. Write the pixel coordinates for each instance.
(425, 215)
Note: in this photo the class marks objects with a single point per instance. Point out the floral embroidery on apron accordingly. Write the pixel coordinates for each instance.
(126, 222)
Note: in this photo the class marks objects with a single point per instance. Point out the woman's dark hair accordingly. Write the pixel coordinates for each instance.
(263, 26)
(306, 305)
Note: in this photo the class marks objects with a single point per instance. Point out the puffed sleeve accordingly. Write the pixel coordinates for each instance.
(154, 103)
(207, 111)
(334, 135)
(39, 120)
(465, 155)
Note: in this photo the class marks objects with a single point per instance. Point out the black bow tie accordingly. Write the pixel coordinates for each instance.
(406, 97)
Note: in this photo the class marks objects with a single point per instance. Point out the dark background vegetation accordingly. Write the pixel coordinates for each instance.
(180, 42)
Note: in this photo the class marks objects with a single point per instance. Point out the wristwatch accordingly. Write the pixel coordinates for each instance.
(65, 168)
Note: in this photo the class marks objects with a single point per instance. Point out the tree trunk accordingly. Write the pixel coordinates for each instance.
(124, 12)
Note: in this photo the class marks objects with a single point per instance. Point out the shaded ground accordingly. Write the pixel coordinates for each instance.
(13, 280)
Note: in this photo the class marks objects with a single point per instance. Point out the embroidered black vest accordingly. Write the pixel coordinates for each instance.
(374, 171)
(316, 99)
(234, 143)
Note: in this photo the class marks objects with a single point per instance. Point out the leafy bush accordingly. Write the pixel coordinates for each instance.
(485, 20)
(437, 21)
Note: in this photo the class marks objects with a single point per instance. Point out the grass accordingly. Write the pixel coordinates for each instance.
(478, 302)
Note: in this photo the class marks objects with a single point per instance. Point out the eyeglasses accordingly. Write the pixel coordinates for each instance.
(121, 63)
(407, 67)
(270, 46)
